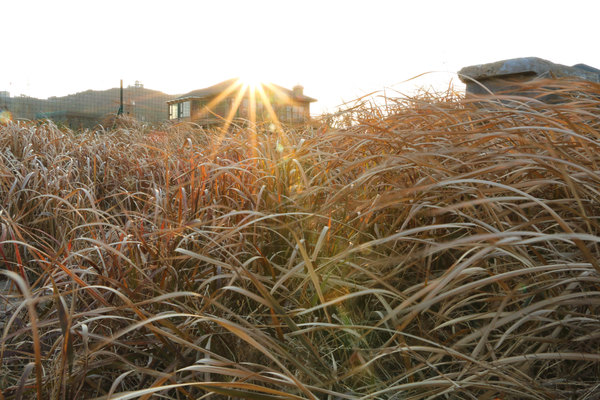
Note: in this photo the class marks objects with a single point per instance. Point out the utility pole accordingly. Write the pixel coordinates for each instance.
(120, 112)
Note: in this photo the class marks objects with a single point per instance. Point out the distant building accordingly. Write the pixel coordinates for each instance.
(137, 84)
(233, 100)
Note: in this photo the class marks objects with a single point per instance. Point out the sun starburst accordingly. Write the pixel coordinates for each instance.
(250, 102)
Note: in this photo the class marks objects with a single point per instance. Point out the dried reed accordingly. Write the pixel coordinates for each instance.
(421, 247)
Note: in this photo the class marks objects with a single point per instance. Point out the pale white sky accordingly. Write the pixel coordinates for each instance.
(338, 50)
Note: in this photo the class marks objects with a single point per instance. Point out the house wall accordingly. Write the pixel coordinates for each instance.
(222, 107)
(294, 112)
(287, 111)
(198, 113)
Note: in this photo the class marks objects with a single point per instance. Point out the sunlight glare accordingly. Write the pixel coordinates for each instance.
(252, 79)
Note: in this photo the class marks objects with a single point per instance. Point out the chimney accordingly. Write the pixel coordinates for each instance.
(297, 90)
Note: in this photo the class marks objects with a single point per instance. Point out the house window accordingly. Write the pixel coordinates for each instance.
(281, 113)
(179, 110)
(173, 114)
(298, 114)
(185, 109)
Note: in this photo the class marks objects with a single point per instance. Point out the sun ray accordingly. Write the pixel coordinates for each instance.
(269, 107)
(274, 119)
(234, 107)
(278, 92)
(229, 119)
(209, 107)
(252, 101)
(252, 116)
(259, 96)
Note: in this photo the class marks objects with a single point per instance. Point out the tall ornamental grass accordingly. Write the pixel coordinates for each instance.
(405, 248)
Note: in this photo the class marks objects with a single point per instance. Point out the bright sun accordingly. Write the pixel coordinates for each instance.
(251, 78)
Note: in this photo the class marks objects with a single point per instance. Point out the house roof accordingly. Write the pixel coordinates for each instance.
(219, 88)
(290, 93)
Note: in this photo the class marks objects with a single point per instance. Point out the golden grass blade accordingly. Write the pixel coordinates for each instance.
(33, 318)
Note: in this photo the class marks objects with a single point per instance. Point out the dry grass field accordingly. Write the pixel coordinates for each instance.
(421, 248)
